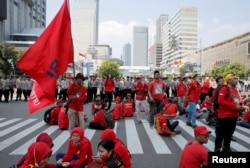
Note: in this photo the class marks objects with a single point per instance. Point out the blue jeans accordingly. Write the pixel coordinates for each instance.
(244, 124)
(192, 113)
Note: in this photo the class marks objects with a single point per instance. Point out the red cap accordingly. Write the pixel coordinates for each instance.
(201, 130)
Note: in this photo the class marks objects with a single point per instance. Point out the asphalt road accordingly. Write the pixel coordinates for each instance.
(18, 129)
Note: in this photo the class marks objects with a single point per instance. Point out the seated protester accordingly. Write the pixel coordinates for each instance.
(97, 104)
(206, 105)
(38, 156)
(116, 112)
(79, 152)
(165, 100)
(119, 148)
(245, 121)
(131, 100)
(127, 108)
(163, 125)
(198, 110)
(108, 158)
(43, 137)
(194, 154)
(63, 120)
(55, 112)
(171, 109)
(99, 120)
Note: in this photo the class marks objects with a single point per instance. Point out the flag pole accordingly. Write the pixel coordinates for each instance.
(72, 45)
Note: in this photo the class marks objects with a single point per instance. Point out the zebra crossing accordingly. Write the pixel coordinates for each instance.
(16, 130)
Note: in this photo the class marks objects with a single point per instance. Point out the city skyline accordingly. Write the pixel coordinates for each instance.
(217, 21)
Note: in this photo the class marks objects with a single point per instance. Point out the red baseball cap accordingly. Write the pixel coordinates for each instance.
(201, 130)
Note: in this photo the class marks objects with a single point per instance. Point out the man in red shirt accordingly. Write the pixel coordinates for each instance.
(194, 90)
(109, 88)
(195, 154)
(156, 92)
(77, 94)
(181, 89)
(140, 88)
(228, 112)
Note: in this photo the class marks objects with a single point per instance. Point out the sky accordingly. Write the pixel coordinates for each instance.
(218, 20)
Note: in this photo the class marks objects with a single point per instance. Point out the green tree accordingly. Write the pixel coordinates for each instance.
(8, 59)
(109, 67)
(235, 68)
(116, 60)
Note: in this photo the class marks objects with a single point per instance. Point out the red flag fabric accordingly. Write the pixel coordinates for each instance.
(48, 58)
(82, 54)
(38, 99)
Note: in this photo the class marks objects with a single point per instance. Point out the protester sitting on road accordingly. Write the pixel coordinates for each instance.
(163, 125)
(107, 156)
(38, 156)
(116, 112)
(171, 109)
(43, 137)
(195, 154)
(245, 121)
(97, 104)
(55, 112)
(79, 152)
(99, 120)
(63, 120)
(128, 107)
(120, 148)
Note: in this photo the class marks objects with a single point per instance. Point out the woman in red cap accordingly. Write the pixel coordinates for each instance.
(79, 152)
(38, 156)
(195, 154)
(119, 147)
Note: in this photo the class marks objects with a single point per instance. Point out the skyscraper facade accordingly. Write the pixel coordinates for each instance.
(161, 21)
(180, 36)
(126, 56)
(140, 46)
(21, 15)
(84, 20)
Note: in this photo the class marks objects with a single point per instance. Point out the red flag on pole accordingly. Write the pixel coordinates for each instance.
(49, 56)
(82, 54)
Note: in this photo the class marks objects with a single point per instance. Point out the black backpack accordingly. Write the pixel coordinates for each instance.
(110, 121)
(216, 95)
(46, 116)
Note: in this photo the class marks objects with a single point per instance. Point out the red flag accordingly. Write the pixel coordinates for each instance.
(49, 56)
(38, 99)
(82, 54)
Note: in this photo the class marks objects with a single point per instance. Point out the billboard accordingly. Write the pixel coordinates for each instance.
(3, 9)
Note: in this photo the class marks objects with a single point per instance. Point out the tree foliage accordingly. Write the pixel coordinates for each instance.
(109, 67)
(8, 59)
(235, 68)
(116, 60)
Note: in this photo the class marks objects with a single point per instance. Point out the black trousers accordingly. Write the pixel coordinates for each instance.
(224, 130)
(108, 98)
(96, 126)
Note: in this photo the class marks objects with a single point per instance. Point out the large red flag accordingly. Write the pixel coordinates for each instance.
(49, 56)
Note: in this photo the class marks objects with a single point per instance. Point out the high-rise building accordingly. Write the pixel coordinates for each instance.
(140, 46)
(126, 56)
(162, 20)
(18, 16)
(180, 36)
(155, 55)
(84, 20)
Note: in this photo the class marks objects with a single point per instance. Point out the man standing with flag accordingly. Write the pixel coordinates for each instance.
(48, 58)
(77, 94)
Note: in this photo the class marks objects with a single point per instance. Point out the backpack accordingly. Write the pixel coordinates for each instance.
(110, 121)
(46, 116)
(216, 95)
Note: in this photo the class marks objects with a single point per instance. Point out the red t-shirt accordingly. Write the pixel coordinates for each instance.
(117, 111)
(80, 93)
(247, 117)
(128, 109)
(156, 88)
(54, 115)
(109, 85)
(181, 89)
(227, 106)
(193, 155)
(171, 109)
(140, 91)
(194, 91)
(99, 118)
(207, 105)
(161, 123)
(205, 87)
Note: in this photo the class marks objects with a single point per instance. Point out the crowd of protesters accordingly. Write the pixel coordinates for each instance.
(162, 101)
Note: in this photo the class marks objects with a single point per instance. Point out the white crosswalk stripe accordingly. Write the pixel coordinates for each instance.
(135, 143)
